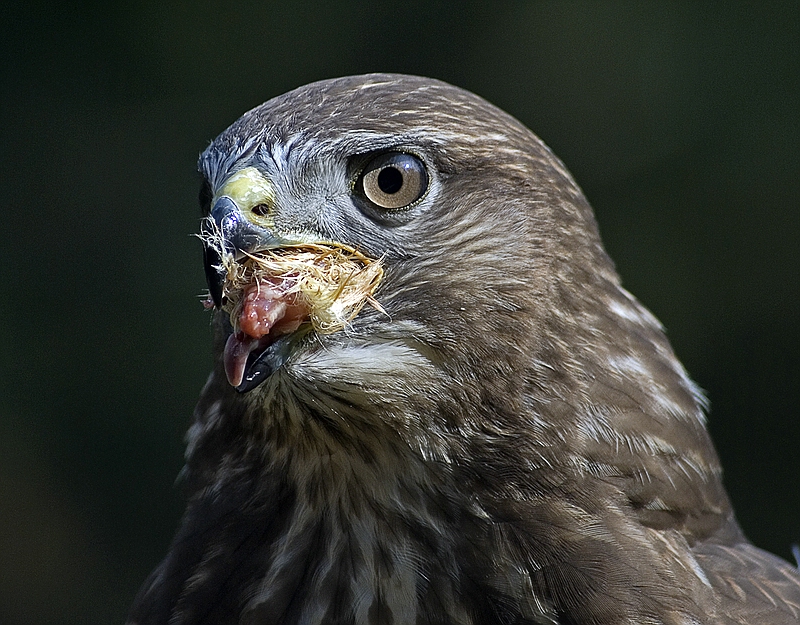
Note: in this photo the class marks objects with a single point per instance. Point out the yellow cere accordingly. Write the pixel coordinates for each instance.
(249, 188)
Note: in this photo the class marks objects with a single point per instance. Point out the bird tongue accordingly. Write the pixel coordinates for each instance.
(267, 312)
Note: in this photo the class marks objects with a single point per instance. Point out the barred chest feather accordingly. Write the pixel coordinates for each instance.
(326, 497)
(324, 515)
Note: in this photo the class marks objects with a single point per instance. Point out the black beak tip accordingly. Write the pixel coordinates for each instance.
(215, 278)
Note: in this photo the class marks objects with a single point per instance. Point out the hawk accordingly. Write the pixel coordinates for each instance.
(433, 401)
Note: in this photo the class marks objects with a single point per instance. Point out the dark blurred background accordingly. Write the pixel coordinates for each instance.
(680, 121)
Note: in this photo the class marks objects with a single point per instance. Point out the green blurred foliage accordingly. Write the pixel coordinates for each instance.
(680, 120)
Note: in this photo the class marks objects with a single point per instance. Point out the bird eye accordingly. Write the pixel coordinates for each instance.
(394, 180)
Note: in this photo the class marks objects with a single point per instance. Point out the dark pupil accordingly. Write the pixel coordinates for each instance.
(390, 180)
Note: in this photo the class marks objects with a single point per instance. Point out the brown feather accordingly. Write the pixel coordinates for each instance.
(512, 441)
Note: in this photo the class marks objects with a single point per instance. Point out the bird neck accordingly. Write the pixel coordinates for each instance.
(340, 507)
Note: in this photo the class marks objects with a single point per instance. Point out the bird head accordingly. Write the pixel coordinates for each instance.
(461, 269)
(468, 222)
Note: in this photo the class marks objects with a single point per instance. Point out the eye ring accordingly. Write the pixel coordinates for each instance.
(393, 180)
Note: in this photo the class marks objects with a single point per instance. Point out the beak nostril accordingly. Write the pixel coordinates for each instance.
(236, 232)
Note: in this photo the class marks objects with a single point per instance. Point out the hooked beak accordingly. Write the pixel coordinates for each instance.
(241, 215)
(239, 236)
(240, 224)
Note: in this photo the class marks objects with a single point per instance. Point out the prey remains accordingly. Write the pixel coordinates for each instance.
(274, 293)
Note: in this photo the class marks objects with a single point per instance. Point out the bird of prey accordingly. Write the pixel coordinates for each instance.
(433, 401)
